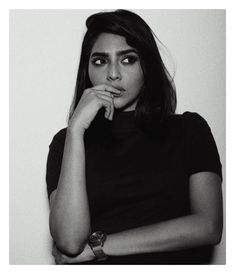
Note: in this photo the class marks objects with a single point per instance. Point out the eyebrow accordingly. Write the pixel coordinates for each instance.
(119, 53)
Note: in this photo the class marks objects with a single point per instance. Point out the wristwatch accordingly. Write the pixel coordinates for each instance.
(96, 242)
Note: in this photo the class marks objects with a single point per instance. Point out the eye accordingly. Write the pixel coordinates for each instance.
(98, 61)
(131, 59)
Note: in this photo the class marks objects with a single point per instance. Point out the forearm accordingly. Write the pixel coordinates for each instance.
(70, 217)
(176, 234)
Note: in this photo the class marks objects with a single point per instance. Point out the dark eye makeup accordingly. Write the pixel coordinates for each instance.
(129, 59)
(98, 61)
(126, 60)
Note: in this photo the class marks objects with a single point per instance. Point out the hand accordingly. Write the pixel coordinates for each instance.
(60, 258)
(91, 101)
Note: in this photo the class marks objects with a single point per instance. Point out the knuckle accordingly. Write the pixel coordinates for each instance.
(96, 98)
(103, 86)
(85, 91)
(99, 101)
(88, 91)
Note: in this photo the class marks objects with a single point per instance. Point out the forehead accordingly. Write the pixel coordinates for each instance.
(108, 42)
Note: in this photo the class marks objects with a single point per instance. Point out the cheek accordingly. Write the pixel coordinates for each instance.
(95, 76)
(91, 74)
(136, 80)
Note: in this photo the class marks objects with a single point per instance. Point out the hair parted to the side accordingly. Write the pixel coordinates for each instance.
(157, 98)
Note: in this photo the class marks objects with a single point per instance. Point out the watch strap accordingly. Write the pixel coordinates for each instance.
(99, 253)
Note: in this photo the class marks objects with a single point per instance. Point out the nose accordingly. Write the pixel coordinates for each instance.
(113, 73)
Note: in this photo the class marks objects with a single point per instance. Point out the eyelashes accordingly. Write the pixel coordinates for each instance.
(131, 59)
(127, 60)
(98, 61)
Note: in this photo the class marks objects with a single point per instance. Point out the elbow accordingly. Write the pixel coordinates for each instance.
(71, 249)
(68, 245)
(215, 237)
(68, 242)
(214, 234)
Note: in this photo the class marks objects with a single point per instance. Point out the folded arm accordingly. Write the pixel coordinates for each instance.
(202, 227)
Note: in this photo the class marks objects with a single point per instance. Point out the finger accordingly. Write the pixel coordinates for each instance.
(61, 259)
(107, 95)
(101, 92)
(107, 89)
(107, 103)
(112, 110)
(58, 260)
(68, 260)
(57, 255)
(53, 252)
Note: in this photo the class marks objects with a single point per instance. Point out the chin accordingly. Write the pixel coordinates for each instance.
(123, 106)
(119, 103)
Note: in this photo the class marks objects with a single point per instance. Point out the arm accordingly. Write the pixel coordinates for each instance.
(202, 227)
(69, 215)
(69, 204)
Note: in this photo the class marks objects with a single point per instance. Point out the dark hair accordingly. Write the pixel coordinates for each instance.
(157, 98)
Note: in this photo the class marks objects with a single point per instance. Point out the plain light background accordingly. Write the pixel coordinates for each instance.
(44, 56)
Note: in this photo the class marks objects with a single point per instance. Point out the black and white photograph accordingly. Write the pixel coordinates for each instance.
(117, 136)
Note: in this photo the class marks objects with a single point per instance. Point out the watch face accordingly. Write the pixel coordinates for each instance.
(97, 238)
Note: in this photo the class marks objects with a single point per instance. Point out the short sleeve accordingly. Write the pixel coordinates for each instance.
(54, 160)
(201, 153)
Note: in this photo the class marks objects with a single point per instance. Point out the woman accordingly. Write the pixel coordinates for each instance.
(129, 181)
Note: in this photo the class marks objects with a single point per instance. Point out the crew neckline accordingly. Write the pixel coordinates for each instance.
(124, 120)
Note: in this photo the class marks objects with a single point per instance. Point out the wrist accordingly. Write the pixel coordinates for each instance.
(75, 131)
(96, 242)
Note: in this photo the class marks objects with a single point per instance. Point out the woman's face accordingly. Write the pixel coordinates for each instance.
(113, 62)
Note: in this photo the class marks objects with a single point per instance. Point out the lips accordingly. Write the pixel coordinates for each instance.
(117, 95)
(119, 88)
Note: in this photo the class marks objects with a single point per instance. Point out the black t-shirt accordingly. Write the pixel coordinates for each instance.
(137, 179)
